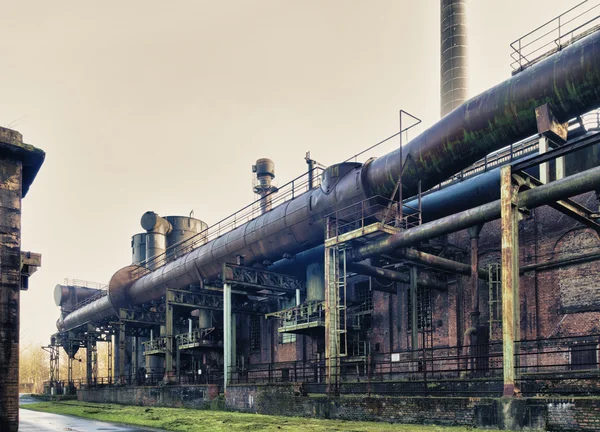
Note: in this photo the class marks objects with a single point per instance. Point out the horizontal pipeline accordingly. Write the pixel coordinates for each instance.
(560, 189)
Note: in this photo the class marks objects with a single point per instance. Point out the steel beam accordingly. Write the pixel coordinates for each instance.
(425, 280)
(437, 262)
(566, 206)
(414, 333)
(226, 335)
(332, 348)
(169, 353)
(510, 278)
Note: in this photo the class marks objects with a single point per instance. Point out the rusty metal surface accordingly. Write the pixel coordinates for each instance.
(424, 280)
(510, 277)
(439, 263)
(548, 126)
(569, 81)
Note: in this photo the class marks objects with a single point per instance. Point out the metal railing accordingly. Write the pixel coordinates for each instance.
(303, 314)
(556, 34)
(357, 217)
(287, 192)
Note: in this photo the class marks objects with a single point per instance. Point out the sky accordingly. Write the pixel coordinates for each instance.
(154, 105)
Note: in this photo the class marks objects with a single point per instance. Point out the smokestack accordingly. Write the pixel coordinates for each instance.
(454, 69)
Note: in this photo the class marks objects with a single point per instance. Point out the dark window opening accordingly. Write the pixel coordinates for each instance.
(584, 356)
(364, 296)
(255, 333)
(424, 309)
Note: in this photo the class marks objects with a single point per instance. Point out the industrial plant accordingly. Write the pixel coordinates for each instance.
(454, 278)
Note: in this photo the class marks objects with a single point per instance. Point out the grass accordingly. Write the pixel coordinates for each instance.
(188, 420)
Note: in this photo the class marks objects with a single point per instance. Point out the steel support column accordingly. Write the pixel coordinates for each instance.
(414, 324)
(169, 352)
(510, 277)
(121, 357)
(226, 334)
(332, 346)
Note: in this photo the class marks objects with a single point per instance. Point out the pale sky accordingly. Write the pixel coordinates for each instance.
(165, 105)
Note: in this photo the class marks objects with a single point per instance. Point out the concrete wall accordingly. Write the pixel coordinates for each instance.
(196, 396)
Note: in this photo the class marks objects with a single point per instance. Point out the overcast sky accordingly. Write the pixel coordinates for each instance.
(165, 105)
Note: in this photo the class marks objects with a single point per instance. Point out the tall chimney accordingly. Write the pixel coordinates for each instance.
(454, 69)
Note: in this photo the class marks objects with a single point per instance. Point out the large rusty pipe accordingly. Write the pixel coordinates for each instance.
(569, 81)
(437, 262)
(560, 189)
(424, 280)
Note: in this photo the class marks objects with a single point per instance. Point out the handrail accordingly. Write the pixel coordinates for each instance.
(525, 51)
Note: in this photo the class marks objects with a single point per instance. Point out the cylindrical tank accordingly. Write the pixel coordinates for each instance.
(204, 318)
(454, 70)
(138, 248)
(183, 228)
(265, 173)
(315, 282)
(72, 294)
(156, 237)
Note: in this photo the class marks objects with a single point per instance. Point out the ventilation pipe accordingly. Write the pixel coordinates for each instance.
(265, 173)
(157, 230)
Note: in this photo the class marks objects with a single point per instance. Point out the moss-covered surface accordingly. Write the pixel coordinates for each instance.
(187, 420)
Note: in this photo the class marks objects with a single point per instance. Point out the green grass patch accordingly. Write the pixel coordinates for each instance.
(188, 420)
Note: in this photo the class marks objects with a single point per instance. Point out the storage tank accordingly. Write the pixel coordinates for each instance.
(183, 228)
(138, 248)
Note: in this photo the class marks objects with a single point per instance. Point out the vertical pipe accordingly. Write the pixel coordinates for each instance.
(475, 313)
(454, 65)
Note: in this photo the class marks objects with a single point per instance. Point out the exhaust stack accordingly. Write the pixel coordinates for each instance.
(454, 72)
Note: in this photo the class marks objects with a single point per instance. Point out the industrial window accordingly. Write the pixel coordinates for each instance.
(424, 313)
(364, 296)
(584, 356)
(255, 333)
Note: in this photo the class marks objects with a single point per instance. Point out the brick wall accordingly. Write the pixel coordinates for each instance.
(576, 414)
(167, 396)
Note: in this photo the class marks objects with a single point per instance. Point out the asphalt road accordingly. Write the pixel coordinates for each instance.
(33, 421)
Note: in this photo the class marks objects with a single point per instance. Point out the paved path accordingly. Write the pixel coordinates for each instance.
(34, 421)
